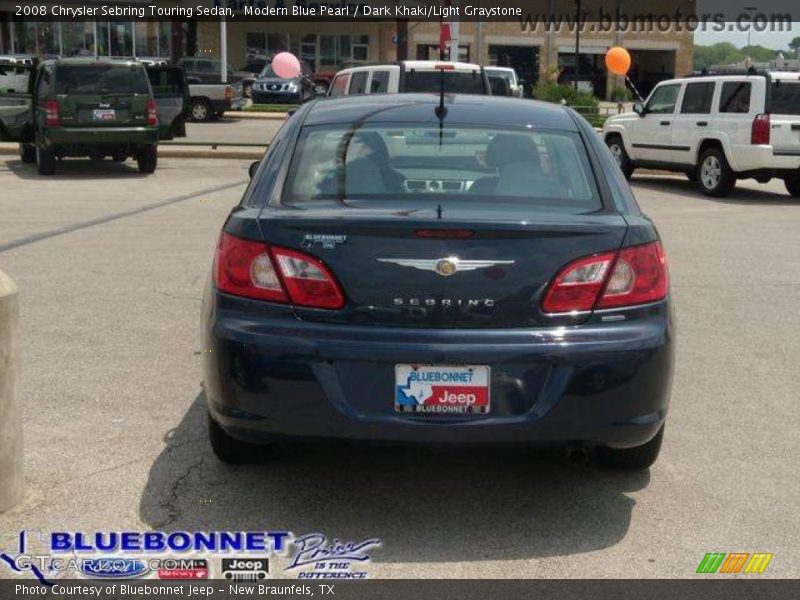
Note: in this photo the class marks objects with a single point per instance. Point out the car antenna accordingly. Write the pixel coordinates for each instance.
(439, 211)
(441, 110)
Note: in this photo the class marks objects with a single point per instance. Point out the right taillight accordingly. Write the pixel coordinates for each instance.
(631, 276)
(52, 118)
(255, 270)
(228, 92)
(759, 132)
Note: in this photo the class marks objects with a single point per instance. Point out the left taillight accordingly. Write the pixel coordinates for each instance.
(152, 113)
(52, 117)
(228, 93)
(628, 277)
(256, 270)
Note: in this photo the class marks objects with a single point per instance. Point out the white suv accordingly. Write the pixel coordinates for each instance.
(408, 76)
(716, 129)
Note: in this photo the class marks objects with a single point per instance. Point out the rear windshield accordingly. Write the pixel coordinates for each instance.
(454, 82)
(785, 97)
(101, 79)
(458, 162)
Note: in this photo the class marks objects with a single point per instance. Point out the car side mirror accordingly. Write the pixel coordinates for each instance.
(639, 109)
(254, 168)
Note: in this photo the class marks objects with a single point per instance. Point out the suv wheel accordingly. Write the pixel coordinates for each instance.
(793, 186)
(617, 149)
(45, 160)
(714, 174)
(147, 159)
(639, 457)
(201, 110)
(27, 152)
(228, 449)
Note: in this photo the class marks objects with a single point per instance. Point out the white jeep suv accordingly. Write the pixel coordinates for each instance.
(716, 129)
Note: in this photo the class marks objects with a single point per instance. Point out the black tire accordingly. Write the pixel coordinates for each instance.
(228, 449)
(793, 186)
(147, 159)
(617, 148)
(640, 457)
(200, 110)
(714, 175)
(27, 152)
(45, 160)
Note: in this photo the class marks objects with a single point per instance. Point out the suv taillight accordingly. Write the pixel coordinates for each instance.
(52, 117)
(255, 270)
(152, 113)
(759, 133)
(228, 93)
(631, 276)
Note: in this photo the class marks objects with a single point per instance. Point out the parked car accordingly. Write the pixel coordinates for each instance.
(517, 295)
(269, 88)
(509, 75)
(96, 108)
(411, 76)
(212, 100)
(716, 129)
(249, 73)
(14, 71)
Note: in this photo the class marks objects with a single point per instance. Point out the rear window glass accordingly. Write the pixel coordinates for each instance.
(421, 162)
(380, 82)
(785, 97)
(101, 79)
(358, 82)
(697, 98)
(454, 82)
(735, 97)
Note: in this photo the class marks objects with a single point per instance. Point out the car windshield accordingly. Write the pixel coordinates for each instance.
(456, 162)
(785, 97)
(455, 82)
(101, 79)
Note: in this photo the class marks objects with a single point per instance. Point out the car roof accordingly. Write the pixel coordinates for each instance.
(420, 108)
(90, 60)
(500, 69)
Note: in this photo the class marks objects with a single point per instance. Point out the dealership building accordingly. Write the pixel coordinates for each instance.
(532, 49)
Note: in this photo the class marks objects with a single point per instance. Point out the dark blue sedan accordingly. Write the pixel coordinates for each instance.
(476, 271)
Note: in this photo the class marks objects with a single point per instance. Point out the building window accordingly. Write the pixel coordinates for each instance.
(147, 38)
(77, 38)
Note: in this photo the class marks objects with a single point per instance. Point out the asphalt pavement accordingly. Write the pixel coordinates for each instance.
(110, 265)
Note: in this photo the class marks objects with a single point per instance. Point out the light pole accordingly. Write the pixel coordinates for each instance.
(750, 10)
(577, 40)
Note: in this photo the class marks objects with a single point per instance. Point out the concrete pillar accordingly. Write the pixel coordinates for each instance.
(11, 475)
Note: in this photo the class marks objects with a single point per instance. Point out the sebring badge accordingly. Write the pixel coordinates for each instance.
(445, 266)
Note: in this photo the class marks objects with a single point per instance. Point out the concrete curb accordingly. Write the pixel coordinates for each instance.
(176, 152)
(235, 114)
(12, 480)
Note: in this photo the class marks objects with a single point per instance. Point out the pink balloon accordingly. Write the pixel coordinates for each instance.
(286, 66)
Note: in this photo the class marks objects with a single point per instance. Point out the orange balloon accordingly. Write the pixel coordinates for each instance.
(618, 60)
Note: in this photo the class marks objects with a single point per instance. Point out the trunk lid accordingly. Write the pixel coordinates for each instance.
(392, 276)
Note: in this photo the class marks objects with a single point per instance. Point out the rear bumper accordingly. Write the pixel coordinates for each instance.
(748, 158)
(221, 106)
(274, 375)
(260, 97)
(101, 136)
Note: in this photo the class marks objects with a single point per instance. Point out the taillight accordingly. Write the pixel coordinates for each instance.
(228, 92)
(51, 114)
(759, 133)
(631, 276)
(255, 270)
(152, 113)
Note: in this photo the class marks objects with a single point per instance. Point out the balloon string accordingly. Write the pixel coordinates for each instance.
(628, 79)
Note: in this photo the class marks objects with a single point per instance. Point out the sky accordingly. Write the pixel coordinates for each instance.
(778, 40)
(772, 39)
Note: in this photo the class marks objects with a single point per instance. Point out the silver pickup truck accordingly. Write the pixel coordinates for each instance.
(210, 100)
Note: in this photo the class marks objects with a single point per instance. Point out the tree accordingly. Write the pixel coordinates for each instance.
(795, 45)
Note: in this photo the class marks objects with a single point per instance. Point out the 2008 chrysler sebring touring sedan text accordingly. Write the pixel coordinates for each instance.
(475, 271)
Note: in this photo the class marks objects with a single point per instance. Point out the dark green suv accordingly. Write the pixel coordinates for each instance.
(95, 108)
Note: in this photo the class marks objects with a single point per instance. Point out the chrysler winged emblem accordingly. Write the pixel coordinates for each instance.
(445, 266)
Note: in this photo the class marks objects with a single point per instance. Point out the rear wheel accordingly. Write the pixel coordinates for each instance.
(228, 449)
(27, 152)
(617, 149)
(714, 174)
(45, 160)
(147, 159)
(793, 186)
(639, 457)
(201, 110)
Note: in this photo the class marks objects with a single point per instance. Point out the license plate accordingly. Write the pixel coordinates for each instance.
(105, 114)
(442, 390)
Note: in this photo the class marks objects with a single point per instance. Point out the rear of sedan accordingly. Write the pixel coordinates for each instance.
(402, 273)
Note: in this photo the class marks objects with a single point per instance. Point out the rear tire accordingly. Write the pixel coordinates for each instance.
(714, 174)
(639, 457)
(617, 148)
(793, 186)
(228, 449)
(201, 110)
(27, 152)
(45, 160)
(147, 159)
